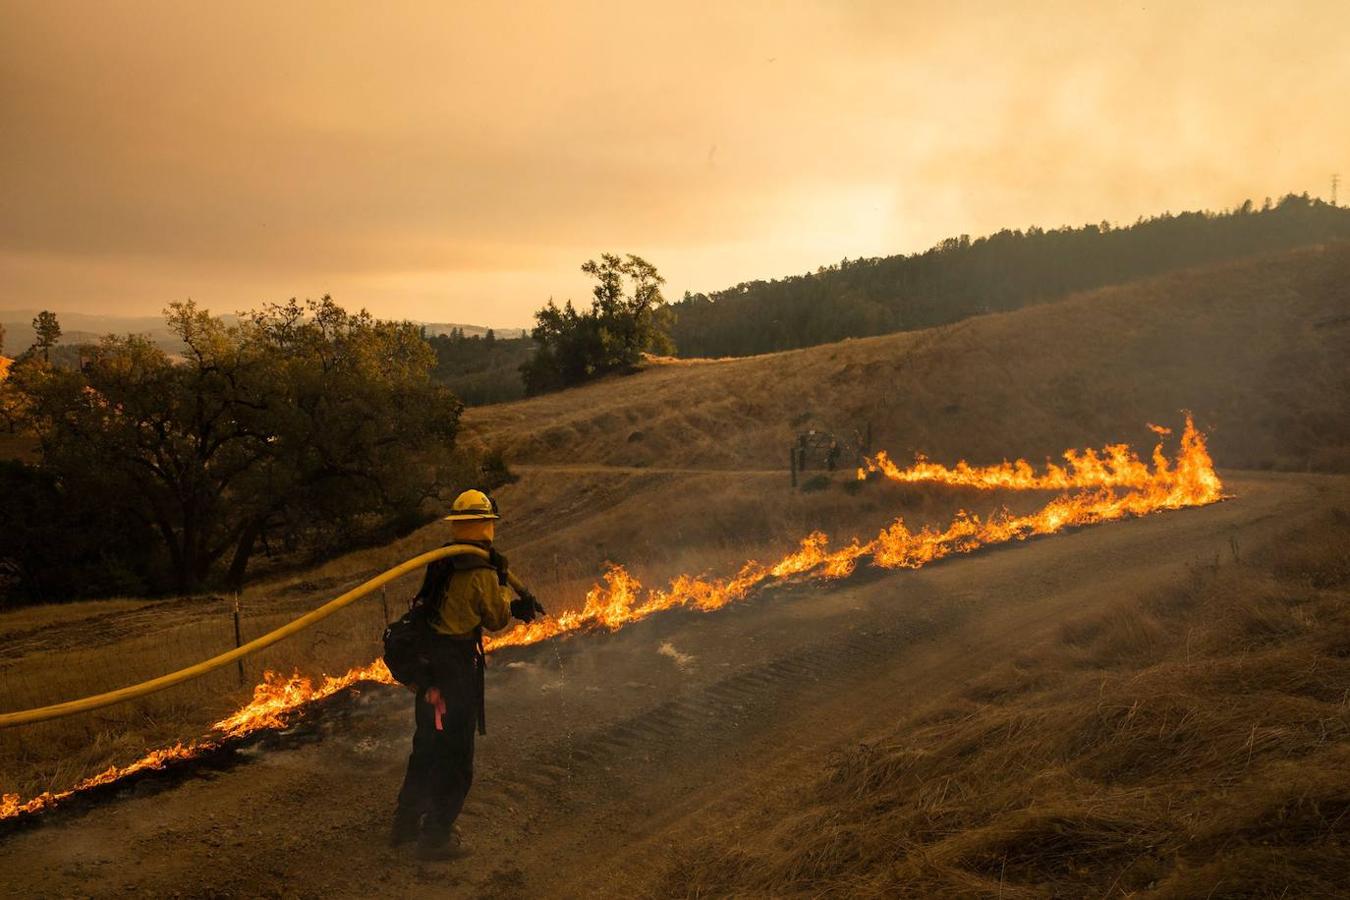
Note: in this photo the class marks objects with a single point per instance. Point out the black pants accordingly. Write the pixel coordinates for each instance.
(440, 769)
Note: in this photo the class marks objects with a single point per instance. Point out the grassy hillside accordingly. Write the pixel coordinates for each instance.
(1255, 348)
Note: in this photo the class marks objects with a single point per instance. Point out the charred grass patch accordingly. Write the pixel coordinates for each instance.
(1191, 743)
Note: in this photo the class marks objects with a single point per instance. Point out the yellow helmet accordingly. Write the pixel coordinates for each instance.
(472, 505)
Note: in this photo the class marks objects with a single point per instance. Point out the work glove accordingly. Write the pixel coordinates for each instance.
(526, 608)
(498, 562)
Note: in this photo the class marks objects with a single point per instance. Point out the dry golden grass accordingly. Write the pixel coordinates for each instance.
(27, 618)
(1191, 743)
(1256, 348)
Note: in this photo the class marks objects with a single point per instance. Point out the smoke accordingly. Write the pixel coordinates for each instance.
(683, 661)
(462, 158)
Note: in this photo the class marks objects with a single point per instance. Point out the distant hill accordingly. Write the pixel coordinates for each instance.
(436, 329)
(82, 328)
(1256, 348)
(961, 277)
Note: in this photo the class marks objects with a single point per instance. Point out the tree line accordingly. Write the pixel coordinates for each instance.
(299, 431)
(961, 277)
(480, 368)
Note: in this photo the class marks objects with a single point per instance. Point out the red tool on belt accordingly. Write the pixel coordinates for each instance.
(437, 702)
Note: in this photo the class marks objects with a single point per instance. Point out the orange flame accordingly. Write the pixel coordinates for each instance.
(1113, 466)
(279, 695)
(10, 805)
(1187, 480)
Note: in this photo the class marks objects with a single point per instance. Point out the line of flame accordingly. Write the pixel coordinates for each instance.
(275, 699)
(1113, 466)
(1187, 480)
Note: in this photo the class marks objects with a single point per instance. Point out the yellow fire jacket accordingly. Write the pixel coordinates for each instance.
(464, 594)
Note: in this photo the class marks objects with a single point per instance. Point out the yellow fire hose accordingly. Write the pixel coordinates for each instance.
(70, 707)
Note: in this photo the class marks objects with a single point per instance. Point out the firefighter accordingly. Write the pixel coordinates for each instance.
(464, 595)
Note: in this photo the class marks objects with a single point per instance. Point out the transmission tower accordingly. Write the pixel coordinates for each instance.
(1335, 183)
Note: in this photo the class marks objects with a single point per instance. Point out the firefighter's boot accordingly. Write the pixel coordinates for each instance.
(405, 830)
(436, 844)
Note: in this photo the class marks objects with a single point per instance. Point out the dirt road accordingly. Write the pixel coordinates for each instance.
(605, 751)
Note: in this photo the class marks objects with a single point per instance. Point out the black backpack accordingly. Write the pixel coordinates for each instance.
(407, 645)
(408, 641)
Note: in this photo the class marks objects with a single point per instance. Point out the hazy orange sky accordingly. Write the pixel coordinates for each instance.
(457, 162)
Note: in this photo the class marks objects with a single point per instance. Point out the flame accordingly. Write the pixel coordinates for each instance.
(273, 699)
(279, 695)
(1113, 484)
(156, 759)
(1113, 466)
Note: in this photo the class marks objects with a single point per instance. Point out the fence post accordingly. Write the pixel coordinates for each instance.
(384, 605)
(238, 640)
